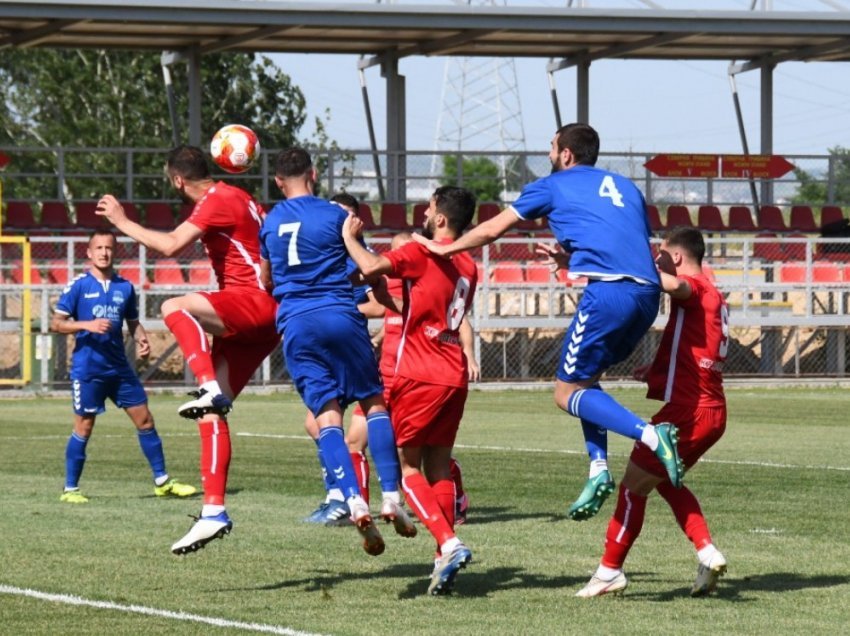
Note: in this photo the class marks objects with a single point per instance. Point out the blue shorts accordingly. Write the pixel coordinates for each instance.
(610, 320)
(89, 396)
(329, 356)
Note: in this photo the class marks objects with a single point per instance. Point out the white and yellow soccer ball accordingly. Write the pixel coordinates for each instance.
(234, 148)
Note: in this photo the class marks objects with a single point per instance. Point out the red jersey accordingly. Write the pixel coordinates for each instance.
(437, 294)
(392, 331)
(688, 368)
(231, 221)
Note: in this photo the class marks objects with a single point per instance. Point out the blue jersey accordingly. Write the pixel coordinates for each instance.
(87, 298)
(598, 216)
(302, 239)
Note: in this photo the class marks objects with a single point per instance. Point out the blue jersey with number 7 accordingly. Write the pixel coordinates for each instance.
(598, 216)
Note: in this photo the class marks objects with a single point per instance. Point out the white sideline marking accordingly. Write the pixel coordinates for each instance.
(581, 452)
(150, 611)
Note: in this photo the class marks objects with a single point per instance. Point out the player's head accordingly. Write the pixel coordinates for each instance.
(402, 238)
(574, 144)
(686, 242)
(185, 165)
(294, 172)
(348, 201)
(101, 249)
(450, 207)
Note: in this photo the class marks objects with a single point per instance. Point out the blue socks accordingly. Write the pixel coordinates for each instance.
(152, 448)
(382, 447)
(337, 460)
(597, 409)
(75, 459)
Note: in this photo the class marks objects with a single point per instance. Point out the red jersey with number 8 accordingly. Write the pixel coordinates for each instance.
(438, 293)
(688, 368)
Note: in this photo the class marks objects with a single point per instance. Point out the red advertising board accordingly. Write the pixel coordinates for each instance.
(712, 166)
(754, 166)
(674, 165)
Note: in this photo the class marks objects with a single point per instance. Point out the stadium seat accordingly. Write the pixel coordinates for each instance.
(54, 216)
(826, 272)
(537, 273)
(831, 214)
(159, 216)
(131, 270)
(16, 273)
(792, 273)
(654, 218)
(57, 272)
(184, 212)
(87, 219)
(507, 273)
(709, 219)
(201, 273)
(393, 216)
(365, 214)
(167, 271)
(768, 250)
(802, 219)
(770, 219)
(514, 251)
(794, 250)
(487, 211)
(19, 216)
(419, 214)
(741, 219)
(679, 216)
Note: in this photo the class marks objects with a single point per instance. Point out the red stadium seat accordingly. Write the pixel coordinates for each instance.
(365, 214)
(507, 273)
(19, 216)
(802, 219)
(419, 214)
(709, 219)
(16, 273)
(654, 218)
(792, 273)
(184, 212)
(770, 219)
(487, 211)
(57, 272)
(54, 216)
(167, 271)
(131, 270)
(793, 250)
(394, 216)
(768, 250)
(825, 272)
(831, 214)
(87, 219)
(741, 219)
(538, 273)
(159, 216)
(518, 251)
(201, 273)
(679, 216)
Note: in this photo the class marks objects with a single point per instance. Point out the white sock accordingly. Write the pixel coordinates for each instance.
(607, 574)
(393, 496)
(706, 554)
(597, 466)
(211, 511)
(211, 387)
(449, 545)
(649, 436)
(159, 481)
(335, 494)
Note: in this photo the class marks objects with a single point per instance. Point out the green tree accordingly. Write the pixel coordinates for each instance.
(112, 99)
(480, 176)
(814, 191)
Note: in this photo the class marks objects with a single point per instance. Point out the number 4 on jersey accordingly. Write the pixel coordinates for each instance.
(609, 189)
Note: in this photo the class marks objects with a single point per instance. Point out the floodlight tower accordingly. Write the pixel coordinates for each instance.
(481, 108)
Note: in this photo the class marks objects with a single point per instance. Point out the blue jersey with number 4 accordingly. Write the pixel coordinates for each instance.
(598, 216)
(87, 298)
(302, 240)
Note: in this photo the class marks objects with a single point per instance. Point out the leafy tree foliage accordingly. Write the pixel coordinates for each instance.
(117, 99)
(479, 174)
(814, 191)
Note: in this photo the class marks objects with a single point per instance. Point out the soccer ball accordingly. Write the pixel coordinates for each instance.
(234, 148)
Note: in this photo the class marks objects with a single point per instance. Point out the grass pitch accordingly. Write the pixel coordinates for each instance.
(774, 491)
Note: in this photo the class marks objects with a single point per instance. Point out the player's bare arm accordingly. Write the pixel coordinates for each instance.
(676, 287)
(64, 324)
(266, 274)
(368, 262)
(467, 341)
(138, 333)
(556, 257)
(480, 235)
(387, 300)
(166, 243)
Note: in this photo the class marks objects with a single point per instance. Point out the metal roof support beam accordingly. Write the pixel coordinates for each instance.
(446, 44)
(396, 133)
(617, 51)
(800, 55)
(583, 92)
(236, 40)
(31, 37)
(766, 128)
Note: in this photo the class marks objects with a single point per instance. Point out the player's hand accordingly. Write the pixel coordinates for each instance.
(143, 346)
(556, 257)
(352, 227)
(664, 263)
(109, 207)
(640, 373)
(473, 370)
(435, 248)
(100, 325)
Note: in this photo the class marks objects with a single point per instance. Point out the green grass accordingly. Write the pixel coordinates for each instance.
(780, 517)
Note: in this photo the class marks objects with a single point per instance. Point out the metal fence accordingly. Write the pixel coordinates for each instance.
(63, 174)
(788, 300)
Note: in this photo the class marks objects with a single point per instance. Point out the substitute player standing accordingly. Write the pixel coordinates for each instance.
(94, 307)
(431, 378)
(239, 316)
(598, 217)
(686, 375)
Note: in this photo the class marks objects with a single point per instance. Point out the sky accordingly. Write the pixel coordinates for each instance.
(637, 106)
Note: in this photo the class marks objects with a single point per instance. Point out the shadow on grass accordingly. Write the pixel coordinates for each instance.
(479, 515)
(736, 589)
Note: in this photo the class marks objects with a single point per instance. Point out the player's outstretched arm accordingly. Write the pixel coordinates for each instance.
(480, 235)
(368, 262)
(167, 243)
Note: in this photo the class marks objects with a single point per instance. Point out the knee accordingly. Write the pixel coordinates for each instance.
(170, 306)
(562, 396)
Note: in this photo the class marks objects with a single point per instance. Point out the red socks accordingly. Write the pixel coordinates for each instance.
(193, 343)
(422, 499)
(361, 471)
(215, 459)
(444, 492)
(688, 513)
(624, 528)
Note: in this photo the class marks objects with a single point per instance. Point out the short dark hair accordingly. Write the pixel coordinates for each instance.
(582, 140)
(292, 162)
(102, 232)
(457, 205)
(188, 162)
(689, 239)
(348, 200)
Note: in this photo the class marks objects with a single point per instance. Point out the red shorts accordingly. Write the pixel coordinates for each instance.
(426, 414)
(250, 337)
(699, 429)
